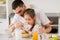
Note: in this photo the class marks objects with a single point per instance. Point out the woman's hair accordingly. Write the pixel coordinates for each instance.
(30, 12)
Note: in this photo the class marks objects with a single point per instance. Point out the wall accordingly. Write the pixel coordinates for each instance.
(52, 6)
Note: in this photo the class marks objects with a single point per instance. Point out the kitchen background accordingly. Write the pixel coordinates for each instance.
(50, 7)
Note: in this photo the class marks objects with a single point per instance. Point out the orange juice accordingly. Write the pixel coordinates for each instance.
(35, 36)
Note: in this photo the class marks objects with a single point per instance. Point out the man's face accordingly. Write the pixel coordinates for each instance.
(19, 10)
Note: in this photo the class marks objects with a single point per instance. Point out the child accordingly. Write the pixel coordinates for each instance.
(30, 17)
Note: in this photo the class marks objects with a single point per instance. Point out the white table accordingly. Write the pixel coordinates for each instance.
(6, 37)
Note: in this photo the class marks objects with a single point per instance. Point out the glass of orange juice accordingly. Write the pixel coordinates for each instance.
(35, 36)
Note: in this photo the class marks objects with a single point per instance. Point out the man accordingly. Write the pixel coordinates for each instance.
(18, 7)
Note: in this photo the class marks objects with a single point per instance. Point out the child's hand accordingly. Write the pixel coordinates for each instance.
(41, 30)
(19, 25)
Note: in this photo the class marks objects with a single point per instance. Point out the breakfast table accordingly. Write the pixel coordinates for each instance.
(7, 37)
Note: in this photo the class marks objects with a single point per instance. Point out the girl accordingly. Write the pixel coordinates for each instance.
(29, 15)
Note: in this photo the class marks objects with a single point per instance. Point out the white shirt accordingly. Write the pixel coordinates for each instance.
(41, 18)
(20, 19)
(17, 18)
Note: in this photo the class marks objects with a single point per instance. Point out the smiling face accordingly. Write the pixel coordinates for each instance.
(29, 20)
(29, 15)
